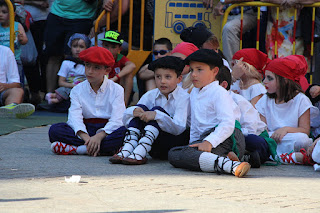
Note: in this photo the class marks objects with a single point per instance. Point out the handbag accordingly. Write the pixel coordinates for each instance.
(29, 51)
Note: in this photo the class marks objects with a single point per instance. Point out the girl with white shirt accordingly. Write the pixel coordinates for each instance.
(247, 65)
(286, 110)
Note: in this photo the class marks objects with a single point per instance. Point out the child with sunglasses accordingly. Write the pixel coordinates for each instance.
(162, 47)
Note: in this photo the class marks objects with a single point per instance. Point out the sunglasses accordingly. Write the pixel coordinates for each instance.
(162, 52)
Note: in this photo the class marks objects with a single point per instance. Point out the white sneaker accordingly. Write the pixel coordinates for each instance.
(60, 148)
(16, 110)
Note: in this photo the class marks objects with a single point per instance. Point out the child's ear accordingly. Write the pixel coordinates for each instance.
(108, 69)
(224, 84)
(179, 78)
(215, 70)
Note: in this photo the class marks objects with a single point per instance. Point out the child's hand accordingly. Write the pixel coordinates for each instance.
(205, 146)
(314, 91)
(137, 112)
(93, 144)
(279, 134)
(107, 5)
(3, 87)
(311, 147)
(238, 69)
(148, 116)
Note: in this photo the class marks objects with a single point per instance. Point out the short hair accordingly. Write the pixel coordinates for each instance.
(288, 89)
(168, 62)
(164, 41)
(3, 3)
(206, 56)
(224, 74)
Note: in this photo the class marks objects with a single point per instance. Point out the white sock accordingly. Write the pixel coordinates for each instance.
(207, 162)
(82, 150)
(145, 143)
(130, 142)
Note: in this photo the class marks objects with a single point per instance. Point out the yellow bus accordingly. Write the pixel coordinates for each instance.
(191, 13)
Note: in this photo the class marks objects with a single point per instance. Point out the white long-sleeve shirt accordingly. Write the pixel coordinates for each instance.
(250, 119)
(177, 106)
(8, 66)
(210, 107)
(107, 103)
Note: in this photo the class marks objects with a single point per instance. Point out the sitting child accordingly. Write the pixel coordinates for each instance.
(247, 65)
(20, 35)
(212, 133)
(162, 47)
(11, 93)
(286, 109)
(258, 144)
(122, 69)
(72, 69)
(95, 115)
(158, 122)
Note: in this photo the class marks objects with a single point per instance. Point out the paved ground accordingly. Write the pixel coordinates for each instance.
(32, 179)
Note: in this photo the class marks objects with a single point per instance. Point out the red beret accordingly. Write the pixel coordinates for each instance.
(253, 57)
(185, 48)
(97, 55)
(293, 67)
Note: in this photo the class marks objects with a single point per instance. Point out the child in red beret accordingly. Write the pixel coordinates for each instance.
(286, 109)
(95, 115)
(247, 65)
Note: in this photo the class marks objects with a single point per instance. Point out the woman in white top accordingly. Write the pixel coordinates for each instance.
(286, 110)
(247, 65)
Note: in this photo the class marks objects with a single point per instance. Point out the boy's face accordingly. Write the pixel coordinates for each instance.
(160, 48)
(4, 15)
(112, 47)
(95, 72)
(202, 74)
(166, 80)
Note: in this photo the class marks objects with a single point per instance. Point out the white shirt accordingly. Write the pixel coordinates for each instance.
(8, 66)
(250, 119)
(73, 74)
(211, 106)
(107, 103)
(253, 91)
(285, 114)
(177, 106)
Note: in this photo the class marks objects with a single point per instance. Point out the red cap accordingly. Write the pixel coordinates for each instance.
(293, 67)
(253, 57)
(185, 48)
(97, 55)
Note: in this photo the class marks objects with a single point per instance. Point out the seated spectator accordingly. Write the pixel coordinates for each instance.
(162, 47)
(231, 31)
(72, 69)
(11, 93)
(122, 69)
(21, 37)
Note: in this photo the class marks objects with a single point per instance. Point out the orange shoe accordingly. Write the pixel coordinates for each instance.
(242, 169)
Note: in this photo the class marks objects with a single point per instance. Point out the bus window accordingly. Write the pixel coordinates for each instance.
(172, 4)
(179, 5)
(199, 5)
(185, 16)
(185, 4)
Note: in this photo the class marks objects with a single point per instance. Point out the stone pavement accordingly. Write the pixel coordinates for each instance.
(32, 179)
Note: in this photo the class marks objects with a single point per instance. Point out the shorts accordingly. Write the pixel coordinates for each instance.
(2, 98)
(58, 31)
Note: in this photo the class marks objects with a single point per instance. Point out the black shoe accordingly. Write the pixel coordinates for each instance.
(253, 158)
